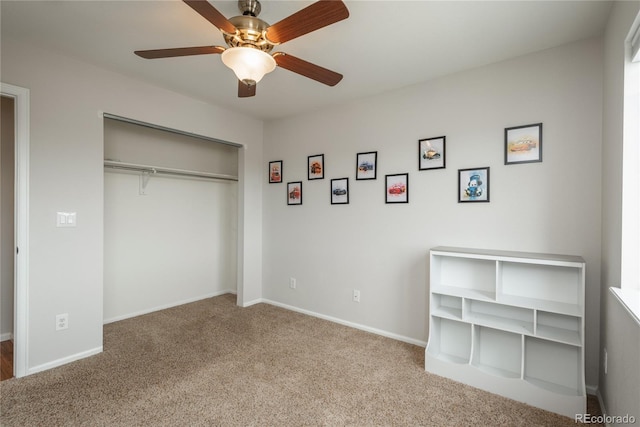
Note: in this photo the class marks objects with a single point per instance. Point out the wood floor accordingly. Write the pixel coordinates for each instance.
(6, 360)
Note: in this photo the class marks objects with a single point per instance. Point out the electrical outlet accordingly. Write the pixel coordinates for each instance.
(292, 282)
(62, 321)
(605, 362)
(356, 295)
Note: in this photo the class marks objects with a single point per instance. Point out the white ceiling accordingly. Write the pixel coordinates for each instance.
(383, 45)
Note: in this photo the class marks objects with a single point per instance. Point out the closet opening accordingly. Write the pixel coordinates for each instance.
(170, 218)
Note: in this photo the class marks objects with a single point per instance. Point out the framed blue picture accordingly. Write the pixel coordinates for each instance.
(473, 185)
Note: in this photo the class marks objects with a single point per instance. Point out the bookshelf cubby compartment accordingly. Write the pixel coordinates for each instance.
(511, 323)
(452, 342)
(563, 376)
(497, 352)
(542, 286)
(559, 327)
(464, 276)
(506, 317)
(447, 306)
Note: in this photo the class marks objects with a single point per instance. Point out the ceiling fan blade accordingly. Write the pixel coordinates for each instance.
(307, 69)
(311, 18)
(211, 14)
(178, 51)
(245, 90)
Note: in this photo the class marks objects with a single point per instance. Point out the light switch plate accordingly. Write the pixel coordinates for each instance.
(66, 219)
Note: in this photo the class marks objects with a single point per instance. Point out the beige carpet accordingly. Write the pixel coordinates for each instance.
(212, 363)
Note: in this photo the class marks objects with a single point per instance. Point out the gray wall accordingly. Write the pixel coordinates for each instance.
(381, 249)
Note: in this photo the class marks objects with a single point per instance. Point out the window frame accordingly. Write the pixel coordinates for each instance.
(629, 290)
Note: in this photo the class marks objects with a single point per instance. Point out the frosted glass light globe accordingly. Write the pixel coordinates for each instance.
(249, 64)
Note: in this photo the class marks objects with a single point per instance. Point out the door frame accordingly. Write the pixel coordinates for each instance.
(21, 227)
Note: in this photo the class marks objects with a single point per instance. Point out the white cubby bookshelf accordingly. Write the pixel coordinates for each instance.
(511, 323)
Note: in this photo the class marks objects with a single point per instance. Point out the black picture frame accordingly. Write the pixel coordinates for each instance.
(315, 167)
(340, 191)
(275, 172)
(366, 165)
(294, 193)
(432, 153)
(523, 144)
(473, 185)
(396, 188)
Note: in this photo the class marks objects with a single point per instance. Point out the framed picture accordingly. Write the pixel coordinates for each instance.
(366, 165)
(275, 172)
(294, 193)
(523, 144)
(473, 185)
(431, 153)
(315, 167)
(340, 191)
(396, 188)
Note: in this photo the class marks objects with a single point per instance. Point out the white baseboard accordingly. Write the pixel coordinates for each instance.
(346, 323)
(602, 407)
(7, 336)
(165, 306)
(253, 302)
(592, 389)
(64, 361)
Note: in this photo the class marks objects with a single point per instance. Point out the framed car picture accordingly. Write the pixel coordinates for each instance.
(315, 167)
(473, 185)
(294, 193)
(340, 191)
(431, 153)
(366, 165)
(396, 188)
(275, 172)
(523, 144)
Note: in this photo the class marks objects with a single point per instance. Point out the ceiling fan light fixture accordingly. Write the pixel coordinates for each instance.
(250, 39)
(249, 64)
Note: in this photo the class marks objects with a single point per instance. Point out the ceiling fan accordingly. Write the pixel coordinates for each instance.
(250, 39)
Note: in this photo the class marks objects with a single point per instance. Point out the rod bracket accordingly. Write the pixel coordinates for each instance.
(144, 180)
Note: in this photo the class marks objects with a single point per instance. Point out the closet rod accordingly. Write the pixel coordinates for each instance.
(170, 171)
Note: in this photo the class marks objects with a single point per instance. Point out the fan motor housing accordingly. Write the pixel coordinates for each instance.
(250, 33)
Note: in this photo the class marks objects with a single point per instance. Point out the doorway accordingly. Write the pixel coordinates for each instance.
(7, 234)
(17, 235)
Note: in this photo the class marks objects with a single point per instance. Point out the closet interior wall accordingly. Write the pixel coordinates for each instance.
(174, 240)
